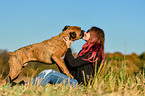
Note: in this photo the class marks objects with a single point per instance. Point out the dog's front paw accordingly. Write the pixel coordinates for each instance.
(70, 76)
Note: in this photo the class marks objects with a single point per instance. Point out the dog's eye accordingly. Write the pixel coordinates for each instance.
(73, 35)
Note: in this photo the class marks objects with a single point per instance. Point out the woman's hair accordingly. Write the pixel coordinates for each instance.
(95, 45)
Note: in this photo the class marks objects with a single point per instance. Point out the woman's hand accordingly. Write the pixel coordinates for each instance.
(67, 41)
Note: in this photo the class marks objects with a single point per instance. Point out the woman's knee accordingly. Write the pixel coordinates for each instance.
(47, 71)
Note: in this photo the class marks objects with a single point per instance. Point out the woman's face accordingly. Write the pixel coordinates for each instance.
(86, 36)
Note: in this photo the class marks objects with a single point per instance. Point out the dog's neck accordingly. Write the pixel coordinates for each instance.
(62, 35)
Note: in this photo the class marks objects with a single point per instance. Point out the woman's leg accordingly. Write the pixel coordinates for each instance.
(54, 77)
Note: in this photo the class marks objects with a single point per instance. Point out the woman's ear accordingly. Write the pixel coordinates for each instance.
(65, 27)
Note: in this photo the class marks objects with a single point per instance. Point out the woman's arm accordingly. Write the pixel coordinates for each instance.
(69, 59)
(75, 62)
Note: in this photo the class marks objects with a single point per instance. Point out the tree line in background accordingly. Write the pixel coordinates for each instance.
(134, 63)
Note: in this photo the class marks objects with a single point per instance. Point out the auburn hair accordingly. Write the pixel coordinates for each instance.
(94, 45)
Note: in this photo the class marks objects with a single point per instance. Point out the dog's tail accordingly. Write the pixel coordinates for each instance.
(10, 53)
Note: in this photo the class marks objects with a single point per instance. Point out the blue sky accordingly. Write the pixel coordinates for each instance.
(24, 22)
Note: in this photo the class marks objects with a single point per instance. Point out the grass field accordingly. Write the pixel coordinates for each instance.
(112, 82)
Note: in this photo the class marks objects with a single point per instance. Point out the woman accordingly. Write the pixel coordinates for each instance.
(92, 51)
(83, 65)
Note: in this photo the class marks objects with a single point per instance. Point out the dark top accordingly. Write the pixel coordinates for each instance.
(76, 66)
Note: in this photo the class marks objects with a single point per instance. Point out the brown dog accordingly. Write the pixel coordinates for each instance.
(46, 51)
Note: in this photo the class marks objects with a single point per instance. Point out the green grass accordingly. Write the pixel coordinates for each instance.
(112, 82)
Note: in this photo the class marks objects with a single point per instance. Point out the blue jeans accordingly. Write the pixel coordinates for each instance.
(54, 77)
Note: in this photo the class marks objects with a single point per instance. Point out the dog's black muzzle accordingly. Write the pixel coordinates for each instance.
(82, 34)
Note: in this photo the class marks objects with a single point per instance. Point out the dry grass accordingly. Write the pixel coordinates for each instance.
(113, 82)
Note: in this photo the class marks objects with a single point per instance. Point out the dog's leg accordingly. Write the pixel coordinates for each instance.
(61, 64)
(15, 68)
(15, 65)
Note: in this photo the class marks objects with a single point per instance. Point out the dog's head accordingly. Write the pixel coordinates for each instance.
(74, 32)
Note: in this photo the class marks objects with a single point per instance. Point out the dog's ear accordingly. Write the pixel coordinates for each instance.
(65, 28)
(72, 35)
